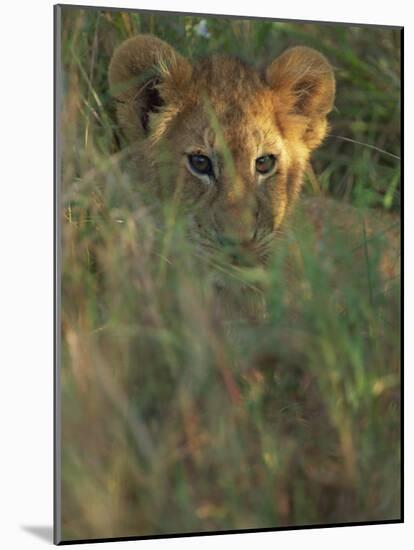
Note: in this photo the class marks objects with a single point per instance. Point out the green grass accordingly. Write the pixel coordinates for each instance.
(172, 421)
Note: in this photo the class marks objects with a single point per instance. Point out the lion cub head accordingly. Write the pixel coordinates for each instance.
(234, 142)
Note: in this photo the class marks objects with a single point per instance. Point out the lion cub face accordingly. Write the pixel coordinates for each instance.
(232, 142)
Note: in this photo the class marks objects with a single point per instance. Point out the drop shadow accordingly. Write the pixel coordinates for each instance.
(44, 532)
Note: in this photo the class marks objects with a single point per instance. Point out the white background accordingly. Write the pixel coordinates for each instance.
(26, 254)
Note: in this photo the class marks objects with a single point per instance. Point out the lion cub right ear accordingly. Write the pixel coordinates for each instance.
(304, 82)
(147, 76)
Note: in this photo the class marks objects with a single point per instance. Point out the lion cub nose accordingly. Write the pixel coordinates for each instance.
(236, 223)
(240, 252)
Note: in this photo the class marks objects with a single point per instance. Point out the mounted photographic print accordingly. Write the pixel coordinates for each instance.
(228, 241)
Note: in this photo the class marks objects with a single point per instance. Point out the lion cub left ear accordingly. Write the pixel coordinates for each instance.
(146, 76)
(304, 82)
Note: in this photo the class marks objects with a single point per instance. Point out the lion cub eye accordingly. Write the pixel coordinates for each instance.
(201, 164)
(265, 164)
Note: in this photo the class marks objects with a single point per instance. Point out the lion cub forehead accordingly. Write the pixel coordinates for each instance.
(230, 106)
(240, 99)
(224, 78)
(249, 127)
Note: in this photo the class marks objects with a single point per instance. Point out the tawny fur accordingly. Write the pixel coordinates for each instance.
(222, 108)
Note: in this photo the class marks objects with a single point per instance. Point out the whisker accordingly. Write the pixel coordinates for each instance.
(343, 138)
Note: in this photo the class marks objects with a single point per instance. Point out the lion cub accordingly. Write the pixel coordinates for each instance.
(234, 141)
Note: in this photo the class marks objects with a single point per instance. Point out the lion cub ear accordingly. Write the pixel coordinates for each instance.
(305, 84)
(145, 75)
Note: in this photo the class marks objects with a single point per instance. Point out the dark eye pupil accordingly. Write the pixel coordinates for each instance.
(265, 164)
(201, 164)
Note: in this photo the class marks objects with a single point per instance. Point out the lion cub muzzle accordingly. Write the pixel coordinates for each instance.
(236, 229)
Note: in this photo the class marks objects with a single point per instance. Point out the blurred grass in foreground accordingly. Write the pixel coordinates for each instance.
(173, 421)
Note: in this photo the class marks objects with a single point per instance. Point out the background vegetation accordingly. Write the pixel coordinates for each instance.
(173, 421)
